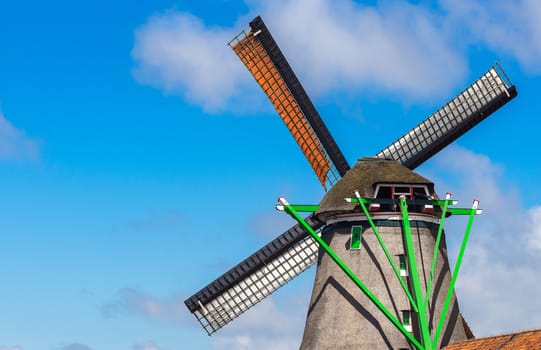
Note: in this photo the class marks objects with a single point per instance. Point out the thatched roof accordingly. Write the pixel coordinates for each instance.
(363, 177)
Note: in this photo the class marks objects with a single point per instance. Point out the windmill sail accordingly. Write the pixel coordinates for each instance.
(255, 278)
(263, 58)
(491, 91)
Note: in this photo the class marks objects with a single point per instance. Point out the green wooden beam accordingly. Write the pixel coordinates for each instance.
(414, 277)
(474, 211)
(419, 304)
(295, 215)
(362, 202)
(436, 249)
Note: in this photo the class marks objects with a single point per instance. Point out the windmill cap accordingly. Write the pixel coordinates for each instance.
(363, 177)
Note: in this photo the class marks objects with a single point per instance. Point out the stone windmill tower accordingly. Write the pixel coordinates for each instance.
(387, 238)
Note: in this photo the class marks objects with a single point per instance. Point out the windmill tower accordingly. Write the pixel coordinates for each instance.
(385, 188)
(336, 299)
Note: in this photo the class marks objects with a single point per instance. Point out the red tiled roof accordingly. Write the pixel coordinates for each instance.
(526, 340)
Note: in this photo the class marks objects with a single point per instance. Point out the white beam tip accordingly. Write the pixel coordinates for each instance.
(402, 196)
(257, 33)
(280, 207)
(349, 200)
(357, 194)
(282, 200)
(448, 195)
(475, 203)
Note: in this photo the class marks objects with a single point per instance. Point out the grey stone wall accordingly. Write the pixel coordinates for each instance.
(340, 316)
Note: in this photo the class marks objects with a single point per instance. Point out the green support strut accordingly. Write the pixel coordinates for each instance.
(437, 247)
(414, 274)
(472, 212)
(362, 202)
(419, 303)
(291, 210)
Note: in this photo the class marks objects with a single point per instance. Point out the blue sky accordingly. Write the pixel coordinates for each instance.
(139, 160)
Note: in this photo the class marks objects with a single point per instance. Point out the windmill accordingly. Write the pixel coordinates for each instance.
(391, 224)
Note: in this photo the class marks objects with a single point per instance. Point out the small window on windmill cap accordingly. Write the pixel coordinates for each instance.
(383, 191)
(402, 190)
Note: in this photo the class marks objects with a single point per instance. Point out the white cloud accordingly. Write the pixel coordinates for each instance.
(506, 26)
(264, 327)
(397, 46)
(498, 286)
(14, 144)
(170, 310)
(476, 176)
(534, 215)
(146, 346)
(76, 346)
(179, 53)
(413, 51)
